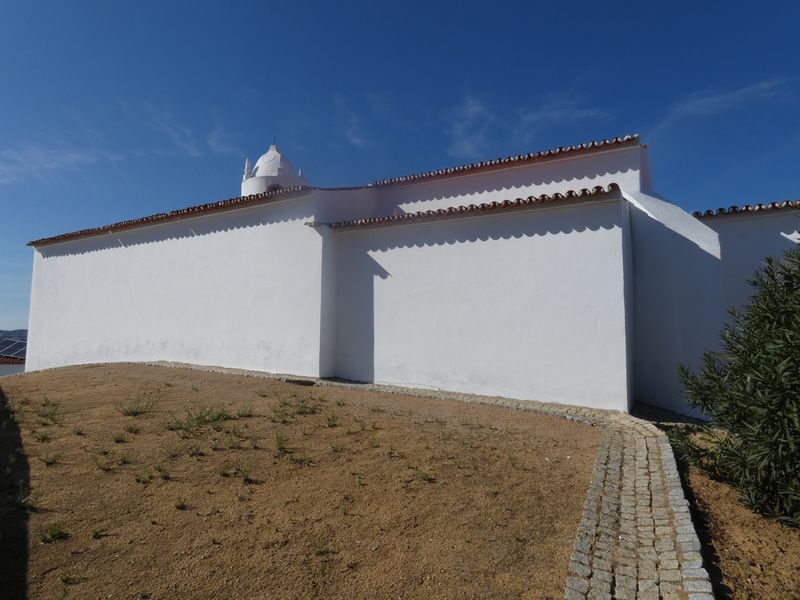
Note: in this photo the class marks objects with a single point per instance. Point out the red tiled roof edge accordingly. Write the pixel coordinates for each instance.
(11, 360)
(593, 146)
(593, 193)
(174, 215)
(747, 208)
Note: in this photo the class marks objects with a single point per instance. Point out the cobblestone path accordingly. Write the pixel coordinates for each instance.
(636, 538)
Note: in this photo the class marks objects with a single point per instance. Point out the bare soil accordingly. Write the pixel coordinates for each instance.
(304, 492)
(752, 557)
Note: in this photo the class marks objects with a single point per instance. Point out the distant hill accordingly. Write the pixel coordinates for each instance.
(14, 334)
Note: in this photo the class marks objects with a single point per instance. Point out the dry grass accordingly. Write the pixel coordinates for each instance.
(167, 483)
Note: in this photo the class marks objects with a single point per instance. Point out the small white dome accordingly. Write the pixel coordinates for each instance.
(271, 171)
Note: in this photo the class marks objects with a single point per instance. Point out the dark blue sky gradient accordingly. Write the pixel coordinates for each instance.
(112, 110)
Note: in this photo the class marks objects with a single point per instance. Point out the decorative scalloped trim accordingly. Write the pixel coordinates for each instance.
(746, 208)
(510, 160)
(173, 215)
(475, 208)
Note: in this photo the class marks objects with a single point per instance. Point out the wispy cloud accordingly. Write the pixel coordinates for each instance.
(80, 144)
(220, 141)
(711, 103)
(469, 123)
(38, 161)
(475, 124)
(179, 135)
(351, 125)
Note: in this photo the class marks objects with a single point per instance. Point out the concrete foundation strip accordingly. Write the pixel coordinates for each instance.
(636, 539)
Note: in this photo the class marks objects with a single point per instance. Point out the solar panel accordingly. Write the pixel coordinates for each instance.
(10, 347)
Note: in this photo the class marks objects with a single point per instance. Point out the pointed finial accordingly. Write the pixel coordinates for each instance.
(246, 169)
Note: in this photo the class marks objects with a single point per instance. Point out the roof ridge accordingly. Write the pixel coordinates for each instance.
(242, 201)
(583, 193)
(593, 145)
(237, 202)
(746, 208)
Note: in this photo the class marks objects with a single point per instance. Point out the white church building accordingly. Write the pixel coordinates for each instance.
(556, 276)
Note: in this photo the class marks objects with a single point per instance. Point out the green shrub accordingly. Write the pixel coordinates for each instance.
(751, 390)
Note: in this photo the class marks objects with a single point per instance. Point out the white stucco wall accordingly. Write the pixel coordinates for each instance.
(525, 304)
(682, 291)
(622, 166)
(240, 288)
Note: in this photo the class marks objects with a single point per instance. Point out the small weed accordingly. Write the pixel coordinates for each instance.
(280, 443)
(123, 460)
(333, 421)
(137, 408)
(104, 451)
(225, 472)
(163, 473)
(48, 410)
(132, 429)
(262, 394)
(281, 412)
(195, 419)
(49, 459)
(173, 454)
(144, 478)
(237, 432)
(245, 412)
(341, 403)
(304, 408)
(53, 533)
(194, 451)
(425, 476)
(304, 459)
(43, 437)
(68, 579)
(98, 534)
(234, 444)
(79, 431)
(215, 446)
(181, 505)
(322, 551)
(245, 475)
(337, 448)
(120, 439)
(25, 499)
(105, 466)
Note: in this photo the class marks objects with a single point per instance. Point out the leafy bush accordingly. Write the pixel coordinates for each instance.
(751, 389)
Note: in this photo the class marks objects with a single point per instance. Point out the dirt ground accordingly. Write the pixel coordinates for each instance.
(234, 487)
(755, 557)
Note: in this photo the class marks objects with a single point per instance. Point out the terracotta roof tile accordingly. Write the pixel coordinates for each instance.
(628, 140)
(173, 215)
(747, 208)
(11, 360)
(595, 192)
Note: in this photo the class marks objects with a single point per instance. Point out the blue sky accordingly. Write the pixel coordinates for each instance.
(112, 110)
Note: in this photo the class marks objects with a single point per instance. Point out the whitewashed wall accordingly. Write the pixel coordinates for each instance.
(239, 289)
(625, 166)
(528, 304)
(682, 292)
